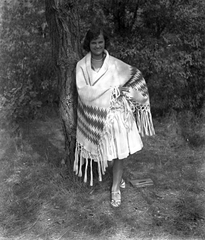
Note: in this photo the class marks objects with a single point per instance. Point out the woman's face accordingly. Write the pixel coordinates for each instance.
(97, 47)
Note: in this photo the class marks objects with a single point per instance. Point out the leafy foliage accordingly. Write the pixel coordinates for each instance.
(164, 39)
(26, 69)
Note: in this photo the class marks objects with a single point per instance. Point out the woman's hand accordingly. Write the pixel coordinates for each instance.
(131, 93)
(124, 90)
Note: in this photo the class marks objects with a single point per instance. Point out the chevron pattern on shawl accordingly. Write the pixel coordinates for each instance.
(137, 81)
(141, 111)
(91, 121)
(98, 92)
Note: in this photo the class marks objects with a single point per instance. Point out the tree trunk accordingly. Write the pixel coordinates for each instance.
(62, 20)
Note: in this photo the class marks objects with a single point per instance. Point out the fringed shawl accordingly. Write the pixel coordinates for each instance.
(96, 93)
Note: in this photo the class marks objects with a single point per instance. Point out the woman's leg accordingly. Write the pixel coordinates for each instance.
(117, 174)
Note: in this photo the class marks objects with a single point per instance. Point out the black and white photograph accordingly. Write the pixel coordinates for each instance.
(102, 119)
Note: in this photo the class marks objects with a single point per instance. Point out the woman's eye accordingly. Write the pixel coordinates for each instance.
(93, 43)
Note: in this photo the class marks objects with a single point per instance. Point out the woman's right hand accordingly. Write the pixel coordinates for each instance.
(123, 90)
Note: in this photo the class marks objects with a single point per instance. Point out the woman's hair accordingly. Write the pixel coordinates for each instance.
(92, 34)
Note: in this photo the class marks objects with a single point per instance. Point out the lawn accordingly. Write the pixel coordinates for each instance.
(40, 200)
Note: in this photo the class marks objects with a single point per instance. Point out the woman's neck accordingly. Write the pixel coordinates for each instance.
(96, 64)
(97, 57)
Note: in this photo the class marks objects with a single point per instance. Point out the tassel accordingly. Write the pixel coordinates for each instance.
(105, 165)
(151, 126)
(102, 167)
(144, 121)
(86, 169)
(76, 161)
(102, 158)
(99, 160)
(91, 172)
(81, 163)
(75, 165)
(99, 170)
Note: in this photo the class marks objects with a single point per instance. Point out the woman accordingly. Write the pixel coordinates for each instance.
(109, 92)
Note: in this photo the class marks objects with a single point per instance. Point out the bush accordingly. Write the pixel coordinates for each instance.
(27, 76)
(167, 45)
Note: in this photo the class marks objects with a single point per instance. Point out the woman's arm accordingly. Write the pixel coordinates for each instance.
(133, 94)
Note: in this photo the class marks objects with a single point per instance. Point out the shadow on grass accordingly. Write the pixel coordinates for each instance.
(175, 202)
(43, 200)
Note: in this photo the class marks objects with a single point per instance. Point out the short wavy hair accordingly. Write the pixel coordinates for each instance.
(92, 34)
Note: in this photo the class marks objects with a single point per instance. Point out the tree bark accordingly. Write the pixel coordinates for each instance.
(62, 18)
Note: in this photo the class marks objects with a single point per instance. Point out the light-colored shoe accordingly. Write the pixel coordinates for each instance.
(116, 198)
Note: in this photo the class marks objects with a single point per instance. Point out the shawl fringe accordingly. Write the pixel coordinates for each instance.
(145, 126)
(82, 156)
(99, 94)
(144, 119)
(142, 114)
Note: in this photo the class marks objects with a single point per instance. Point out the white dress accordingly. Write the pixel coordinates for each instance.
(123, 137)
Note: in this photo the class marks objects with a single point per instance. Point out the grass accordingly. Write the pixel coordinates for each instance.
(40, 201)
